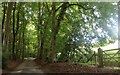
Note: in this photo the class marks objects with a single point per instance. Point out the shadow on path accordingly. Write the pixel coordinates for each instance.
(28, 66)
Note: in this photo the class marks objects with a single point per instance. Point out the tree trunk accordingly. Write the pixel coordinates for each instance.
(3, 20)
(23, 40)
(53, 38)
(7, 27)
(23, 35)
(40, 34)
(13, 44)
(38, 30)
(56, 27)
(17, 33)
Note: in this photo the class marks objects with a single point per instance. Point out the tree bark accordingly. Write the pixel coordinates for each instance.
(53, 37)
(17, 33)
(56, 27)
(3, 20)
(13, 44)
(40, 31)
(7, 26)
(23, 34)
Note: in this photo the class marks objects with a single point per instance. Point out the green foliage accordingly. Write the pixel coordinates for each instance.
(80, 30)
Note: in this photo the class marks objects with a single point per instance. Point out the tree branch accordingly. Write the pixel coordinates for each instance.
(61, 15)
(74, 5)
(58, 7)
(80, 6)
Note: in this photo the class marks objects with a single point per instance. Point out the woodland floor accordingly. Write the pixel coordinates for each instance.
(74, 68)
(30, 66)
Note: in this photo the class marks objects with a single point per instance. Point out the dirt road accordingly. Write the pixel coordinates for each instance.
(28, 66)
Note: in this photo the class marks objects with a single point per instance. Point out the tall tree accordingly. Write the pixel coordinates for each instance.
(13, 44)
(7, 26)
(56, 26)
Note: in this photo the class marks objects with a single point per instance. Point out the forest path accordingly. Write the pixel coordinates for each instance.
(28, 66)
